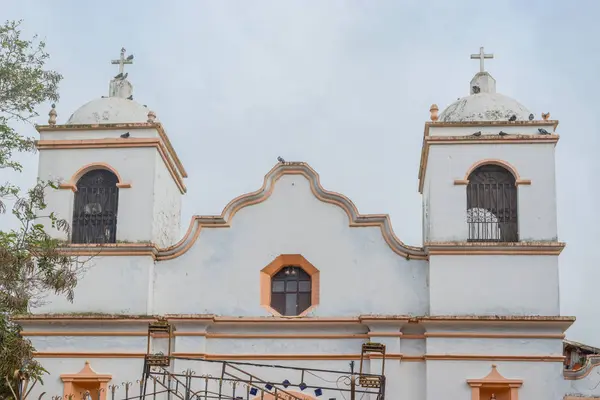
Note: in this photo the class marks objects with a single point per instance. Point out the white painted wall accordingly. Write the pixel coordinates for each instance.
(447, 379)
(166, 215)
(220, 273)
(536, 202)
(149, 211)
(113, 285)
(494, 285)
(135, 165)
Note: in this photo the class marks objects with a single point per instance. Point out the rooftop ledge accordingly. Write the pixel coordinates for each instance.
(232, 319)
(552, 248)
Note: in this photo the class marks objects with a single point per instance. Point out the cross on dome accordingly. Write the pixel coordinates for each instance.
(119, 85)
(122, 61)
(481, 56)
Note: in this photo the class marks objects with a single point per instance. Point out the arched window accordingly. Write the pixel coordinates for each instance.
(492, 205)
(291, 291)
(95, 208)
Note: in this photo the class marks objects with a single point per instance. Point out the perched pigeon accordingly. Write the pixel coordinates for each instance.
(130, 97)
(531, 117)
(125, 135)
(543, 131)
(129, 58)
(476, 89)
(119, 76)
(281, 160)
(125, 76)
(478, 133)
(513, 118)
(502, 133)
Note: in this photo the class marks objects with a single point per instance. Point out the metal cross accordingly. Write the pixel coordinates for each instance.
(122, 61)
(481, 56)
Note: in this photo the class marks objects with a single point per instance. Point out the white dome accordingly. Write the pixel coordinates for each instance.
(484, 107)
(109, 110)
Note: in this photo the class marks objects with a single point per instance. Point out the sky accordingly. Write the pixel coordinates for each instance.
(343, 85)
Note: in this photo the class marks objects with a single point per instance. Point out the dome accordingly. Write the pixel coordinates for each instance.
(109, 110)
(484, 107)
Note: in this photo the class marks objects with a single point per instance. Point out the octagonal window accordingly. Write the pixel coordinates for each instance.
(289, 286)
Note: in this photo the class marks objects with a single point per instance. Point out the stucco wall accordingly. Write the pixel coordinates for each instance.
(447, 379)
(536, 202)
(166, 225)
(494, 285)
(113, 285)
(220, 273)
(135, 165)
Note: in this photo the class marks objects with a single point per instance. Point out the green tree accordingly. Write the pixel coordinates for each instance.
(31, 262)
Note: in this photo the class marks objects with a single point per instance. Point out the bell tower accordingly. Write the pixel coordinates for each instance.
(121, 179)
(489, 200)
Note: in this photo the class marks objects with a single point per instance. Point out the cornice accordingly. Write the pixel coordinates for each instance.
(494, 248)
(484, 139)
(130, 126)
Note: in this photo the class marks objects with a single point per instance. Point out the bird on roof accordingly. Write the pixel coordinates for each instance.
(130, 97)
(543, 131)
(531, 117)
(281, 160)
(513, 118)
(478, 133)
(119, 76)
(130, 57)
(502, 133)
(125, 135)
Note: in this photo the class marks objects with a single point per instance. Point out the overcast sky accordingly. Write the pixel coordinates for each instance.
(343, 85)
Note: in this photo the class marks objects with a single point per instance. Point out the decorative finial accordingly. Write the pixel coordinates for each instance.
(434, 112)
(151, 116)
(481, 56)
(52, 114)
(545, 116)
(119, 85)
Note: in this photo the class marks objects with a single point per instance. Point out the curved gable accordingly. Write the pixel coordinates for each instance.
(354, 217)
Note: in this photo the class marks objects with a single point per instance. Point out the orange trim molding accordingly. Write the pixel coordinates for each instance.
(322, 356)
(71, 184)
(86, 380)
(493, 161)
(428, 141)
(494, 248)
(382, 221)
(118, 143)
(496, 384)
(288, 260)
(129, 126)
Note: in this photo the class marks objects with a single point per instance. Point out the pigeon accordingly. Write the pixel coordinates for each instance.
(531, 117)
(119, 76)
(543, 131)
(129, 58)
(478, 133)
(281, 160)
(476, 89)
(125, 76)
(130, 97)
(125, 135)
(513, 118)
(53, 105)
(502, 133)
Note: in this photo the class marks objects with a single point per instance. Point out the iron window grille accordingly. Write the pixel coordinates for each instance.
(95, 208)
(492, 214)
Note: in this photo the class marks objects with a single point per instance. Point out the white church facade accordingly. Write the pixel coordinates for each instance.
(293, 275)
